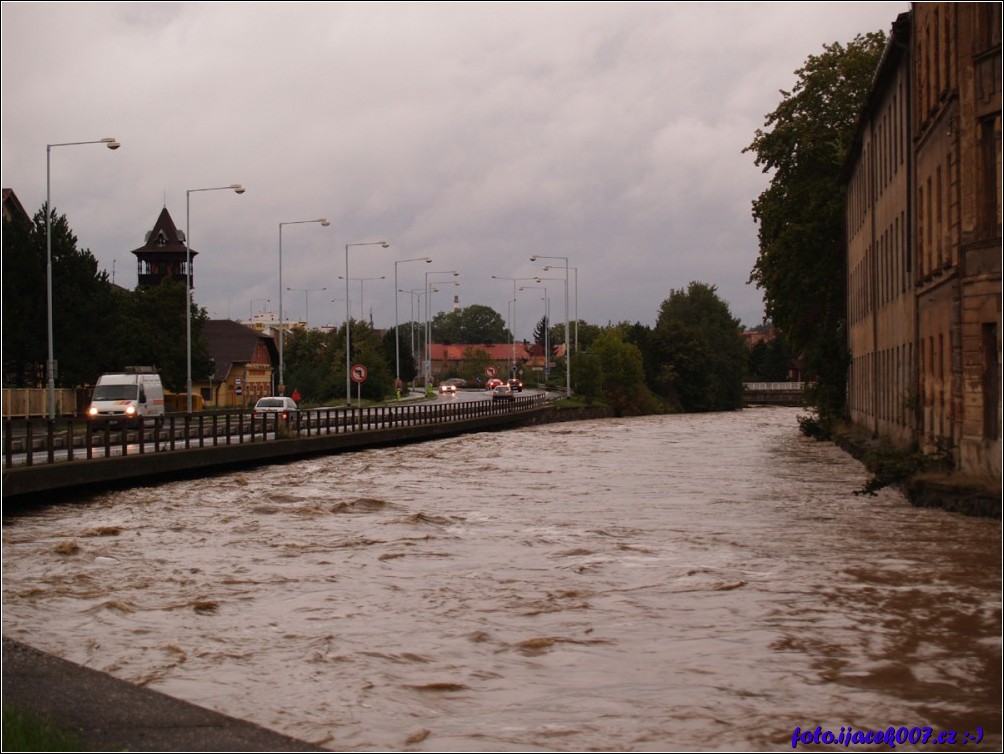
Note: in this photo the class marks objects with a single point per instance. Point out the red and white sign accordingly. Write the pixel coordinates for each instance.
(489, 371)
(358, 373)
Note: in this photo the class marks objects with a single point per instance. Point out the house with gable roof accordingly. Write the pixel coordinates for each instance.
(244, 362)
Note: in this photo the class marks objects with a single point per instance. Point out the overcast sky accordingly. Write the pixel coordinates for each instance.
(475, 133)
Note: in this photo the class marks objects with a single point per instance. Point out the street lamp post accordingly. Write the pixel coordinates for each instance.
(568, 353)
(306, 301)
(575, 299)
(428, 325)
(512, 322)
(362, 307)
(415, 292)
(547, 323)
(397, 340)
(251, 312)
(237, 189)
(348, 318)
(50, 366)
(281, 387)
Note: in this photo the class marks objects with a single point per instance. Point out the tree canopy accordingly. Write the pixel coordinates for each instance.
(472, 324)
(804, 145)
(698, 351)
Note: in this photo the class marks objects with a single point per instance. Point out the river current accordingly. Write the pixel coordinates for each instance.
(639, 584)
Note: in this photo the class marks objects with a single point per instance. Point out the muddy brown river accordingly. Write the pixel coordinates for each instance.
(677, 582)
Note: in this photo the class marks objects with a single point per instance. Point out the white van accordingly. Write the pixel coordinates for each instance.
(127, 397)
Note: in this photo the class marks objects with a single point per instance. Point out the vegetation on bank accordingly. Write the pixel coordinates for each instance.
(26, 731)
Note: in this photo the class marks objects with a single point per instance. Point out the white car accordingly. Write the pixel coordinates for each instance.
(275, 404)
(447, 387)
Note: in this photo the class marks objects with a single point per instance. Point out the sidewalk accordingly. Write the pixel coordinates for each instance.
(112, 715)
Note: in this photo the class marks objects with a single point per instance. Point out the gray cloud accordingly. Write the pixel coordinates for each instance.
(477, 133)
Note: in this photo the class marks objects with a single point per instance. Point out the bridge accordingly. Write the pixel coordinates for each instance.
(774, 393)
(66, 456)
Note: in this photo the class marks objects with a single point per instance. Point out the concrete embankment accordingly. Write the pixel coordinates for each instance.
(106, 714)
(25, 485)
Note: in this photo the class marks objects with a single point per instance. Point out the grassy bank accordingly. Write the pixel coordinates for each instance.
(26, 731)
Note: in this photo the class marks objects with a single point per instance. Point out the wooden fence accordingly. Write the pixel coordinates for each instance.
(24, 403)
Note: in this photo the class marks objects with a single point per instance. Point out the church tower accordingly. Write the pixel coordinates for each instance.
(164, 254)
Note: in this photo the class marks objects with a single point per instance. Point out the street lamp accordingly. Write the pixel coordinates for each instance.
(362, 308)
(575, 299)
(281, 388)
(306, 301)
(512, 322)
(251, 311)
(237, 189)
(397, 340)
(50, 367)
(547, 325)
(568, 353)
(348, 318)
(415, 292)
(428, 324)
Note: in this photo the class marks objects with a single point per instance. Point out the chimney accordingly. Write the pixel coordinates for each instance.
(456, 303)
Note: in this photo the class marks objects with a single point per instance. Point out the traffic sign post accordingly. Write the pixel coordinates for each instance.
(358, 374)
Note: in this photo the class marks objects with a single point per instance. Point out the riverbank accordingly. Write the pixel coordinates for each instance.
(103, 713)
(949, 490)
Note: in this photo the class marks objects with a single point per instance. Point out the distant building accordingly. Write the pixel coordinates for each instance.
(12, 208)
(164, 255)
(244, 362)
(448, 359)
(923, 232)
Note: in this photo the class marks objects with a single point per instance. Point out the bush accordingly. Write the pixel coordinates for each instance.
(890, 466)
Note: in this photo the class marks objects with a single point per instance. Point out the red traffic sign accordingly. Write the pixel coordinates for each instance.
(358, 373)
(490, 371)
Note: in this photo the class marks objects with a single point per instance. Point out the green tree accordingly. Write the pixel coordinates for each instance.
(539, 331)
(770, 360)
(308, 361)
(616, 366)
(83, 305)
(472, 324)
(368, 350)
(698, 350)
(402, 345)
(800, 215)
(153, 331)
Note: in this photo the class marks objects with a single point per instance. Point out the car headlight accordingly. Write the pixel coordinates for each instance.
(92, 411)
(131, 410)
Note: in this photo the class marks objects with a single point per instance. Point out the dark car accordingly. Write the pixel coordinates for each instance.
(516, 385)
(502, 393)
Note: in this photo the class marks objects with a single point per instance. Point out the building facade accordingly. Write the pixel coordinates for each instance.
(924, 239)
(244, 365)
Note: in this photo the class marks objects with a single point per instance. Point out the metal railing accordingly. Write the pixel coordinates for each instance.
(774, 387)
(41, 441)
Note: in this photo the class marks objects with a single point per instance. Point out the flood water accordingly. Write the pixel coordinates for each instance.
(676, 582)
